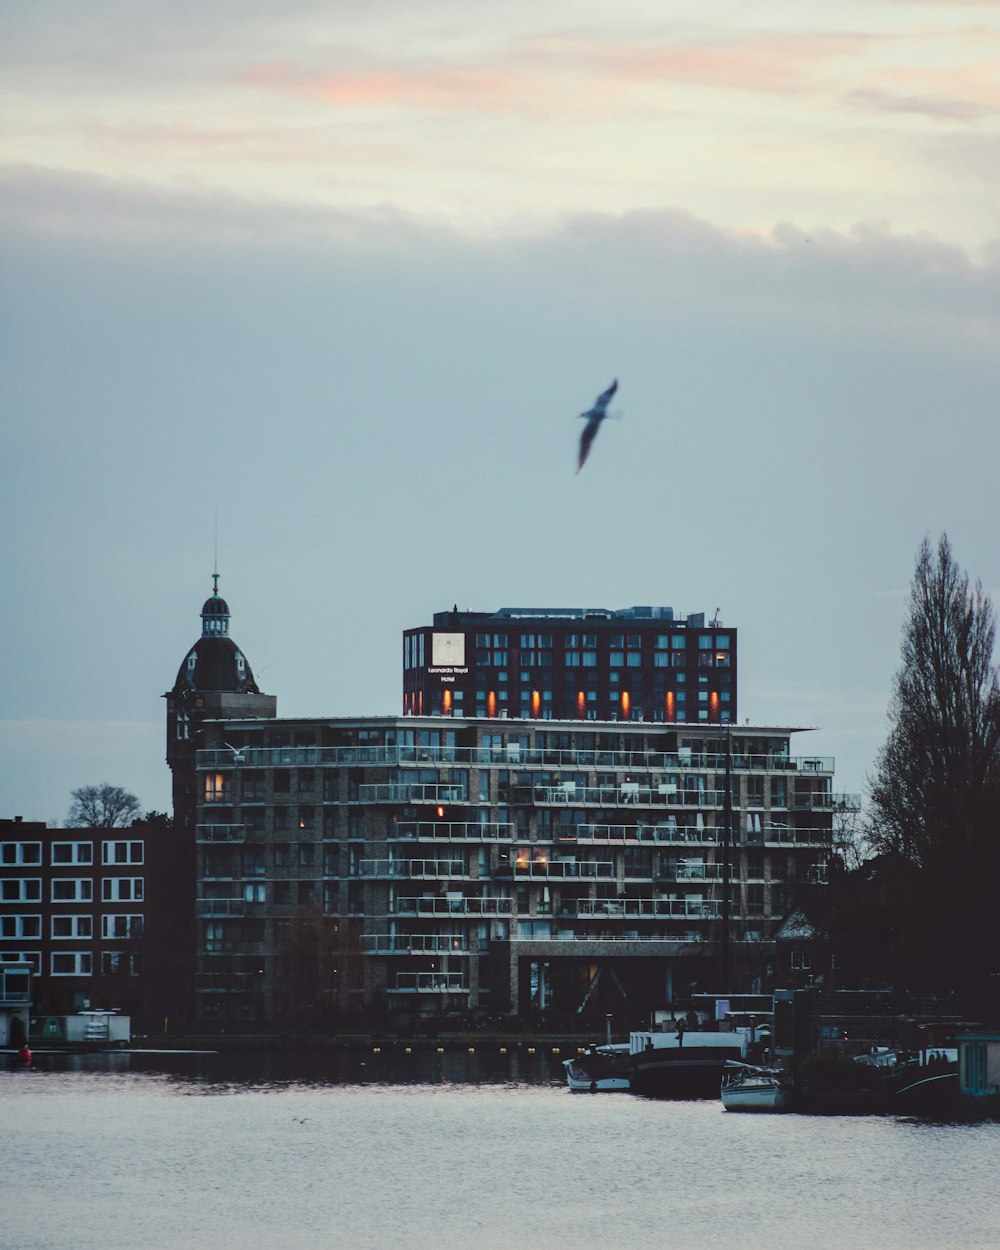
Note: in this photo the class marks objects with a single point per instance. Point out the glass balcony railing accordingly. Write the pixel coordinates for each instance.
(429, 983)
(451, 831)
(509, 756)
(452, 905)
(412, 869)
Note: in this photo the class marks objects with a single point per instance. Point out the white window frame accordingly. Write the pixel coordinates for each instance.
(16, 926)
(23, 957)
(134, 852)
(81, 853)
(12, 854)
(29, 889)
(77, 934)
(133, 926)
(83, 962)
(84, 892)
(111, 889)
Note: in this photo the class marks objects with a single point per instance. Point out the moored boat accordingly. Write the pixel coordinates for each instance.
(600, 1069)
(749, 1088)
(683, 1064)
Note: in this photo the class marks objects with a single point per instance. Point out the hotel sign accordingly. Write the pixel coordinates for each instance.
(448, 656)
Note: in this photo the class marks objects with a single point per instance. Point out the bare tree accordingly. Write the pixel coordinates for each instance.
(102, 807)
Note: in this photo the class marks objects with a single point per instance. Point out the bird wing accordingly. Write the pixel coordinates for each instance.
(602, 401)
(587, 439)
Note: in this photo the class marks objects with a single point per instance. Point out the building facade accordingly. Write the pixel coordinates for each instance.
(632, 664)
(95, 914)
(420, 867)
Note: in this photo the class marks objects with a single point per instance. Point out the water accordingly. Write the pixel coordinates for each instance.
(447, 1151)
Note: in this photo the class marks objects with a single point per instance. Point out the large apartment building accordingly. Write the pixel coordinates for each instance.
(425, 867)
(630, 664)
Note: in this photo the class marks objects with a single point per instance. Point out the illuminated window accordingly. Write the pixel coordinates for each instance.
(215, 788)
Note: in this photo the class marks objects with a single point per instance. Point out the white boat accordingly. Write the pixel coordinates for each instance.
(747, 1088)
(599, 1069)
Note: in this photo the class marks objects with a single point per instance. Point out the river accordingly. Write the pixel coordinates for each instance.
(441, 1152)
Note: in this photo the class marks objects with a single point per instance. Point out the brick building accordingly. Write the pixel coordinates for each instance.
(631, 664)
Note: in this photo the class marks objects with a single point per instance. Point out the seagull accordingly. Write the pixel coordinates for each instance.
(594, 416)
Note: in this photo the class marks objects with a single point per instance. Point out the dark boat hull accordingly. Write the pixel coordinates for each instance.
(685, 1072)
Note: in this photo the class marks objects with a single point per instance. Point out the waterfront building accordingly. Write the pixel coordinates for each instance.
(572, 664)
(547, 870)
(95, 914)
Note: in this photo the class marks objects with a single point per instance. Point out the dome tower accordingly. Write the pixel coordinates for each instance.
(214, 682)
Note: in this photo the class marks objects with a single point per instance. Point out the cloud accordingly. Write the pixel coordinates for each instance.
(437, 88)
(939, 108)
(764, 62)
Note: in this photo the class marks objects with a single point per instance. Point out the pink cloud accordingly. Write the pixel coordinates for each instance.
(438, 88)
(760, 62)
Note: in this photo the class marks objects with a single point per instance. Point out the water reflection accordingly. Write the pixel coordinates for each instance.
(236, 1070)
(428, 1151)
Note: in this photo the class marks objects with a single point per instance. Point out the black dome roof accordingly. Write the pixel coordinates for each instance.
(215, 664)
(215, 605)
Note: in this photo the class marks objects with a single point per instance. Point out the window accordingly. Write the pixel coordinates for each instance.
(120, 928)
(215, 788)
(704, 642)
(20, 927)
(617, 659)
(72, 889)
(634, 659)
(72, 927)
(34, 958)
(590, 659)
(119, 962)
(121, 853)
(20, 890)
(572, 659)
(71, 964)
(14, 853)
(254, 893)
(122, 889)
(72, 852)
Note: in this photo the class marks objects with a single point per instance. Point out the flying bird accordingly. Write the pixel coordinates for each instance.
(594, 416)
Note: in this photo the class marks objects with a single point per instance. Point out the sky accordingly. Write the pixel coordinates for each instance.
(317, 290)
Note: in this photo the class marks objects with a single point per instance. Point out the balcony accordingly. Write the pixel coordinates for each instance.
(415, 944)
(647, 909)
(412, 869)
(625, 794)
(209, 908)
(404, 792)
(429, 983)
(821, 802)
(563, 870)
(220, 833)
(451, 831)
(788, 835)
(454, 905)
(510, 756)
(666, 832)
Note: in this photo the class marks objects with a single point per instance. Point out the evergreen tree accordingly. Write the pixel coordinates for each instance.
(935, 795)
